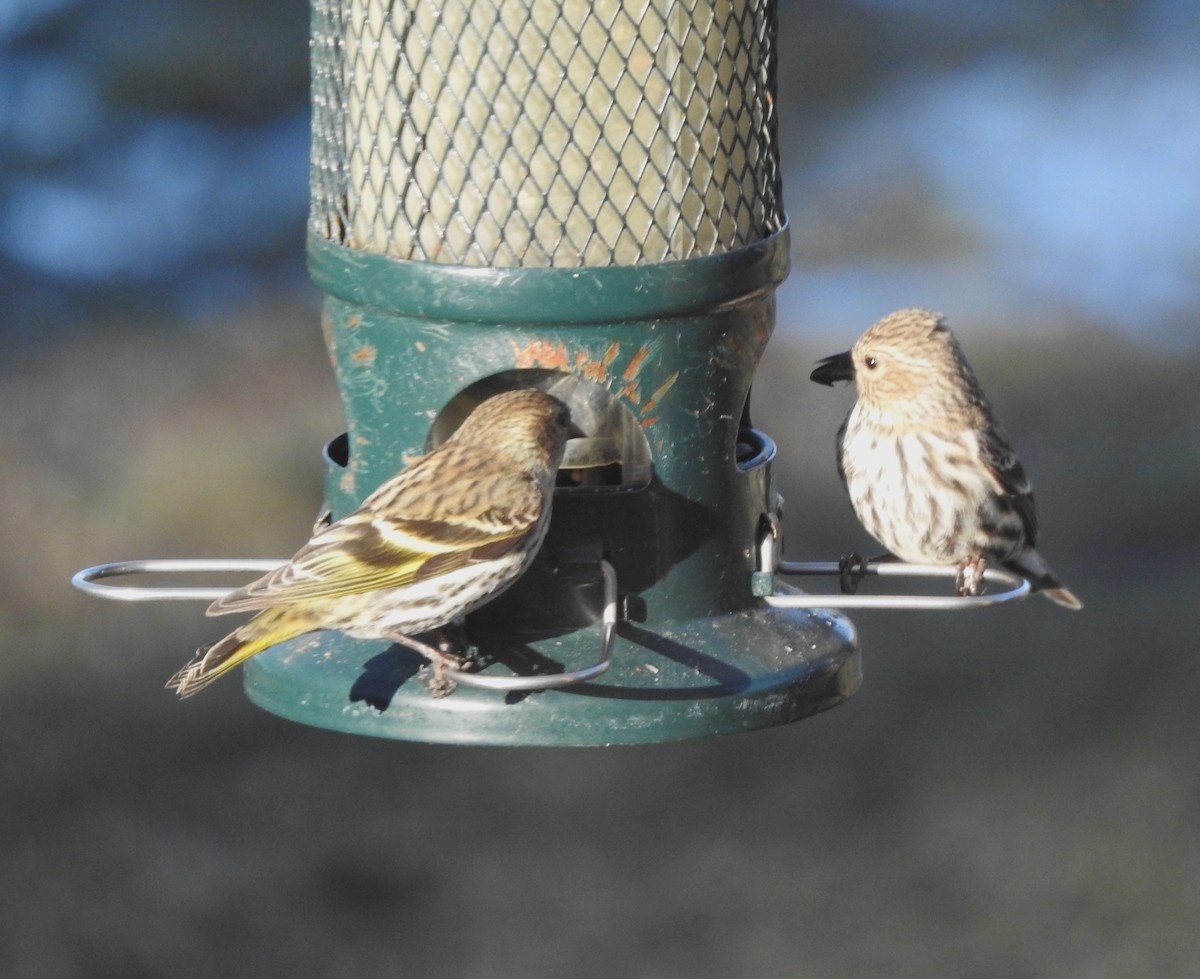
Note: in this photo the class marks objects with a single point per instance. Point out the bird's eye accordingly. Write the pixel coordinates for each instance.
(871, 363)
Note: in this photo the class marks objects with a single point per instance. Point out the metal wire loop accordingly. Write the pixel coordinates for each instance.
(1016, 587)
(88, 580)
(548, 681)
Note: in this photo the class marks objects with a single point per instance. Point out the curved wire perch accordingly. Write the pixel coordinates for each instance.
(88, 580)
(550, 681)
(1017, 587)
(771, 563)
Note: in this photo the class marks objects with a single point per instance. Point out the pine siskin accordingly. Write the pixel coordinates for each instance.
(445, 535)
(929, 471)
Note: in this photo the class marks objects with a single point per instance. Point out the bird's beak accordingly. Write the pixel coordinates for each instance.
(575, 432)
(839, 367)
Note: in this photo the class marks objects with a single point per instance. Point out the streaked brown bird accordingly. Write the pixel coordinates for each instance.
(445, 535)
(929, 471)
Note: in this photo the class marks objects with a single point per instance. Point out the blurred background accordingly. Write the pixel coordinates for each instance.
(1013, 792)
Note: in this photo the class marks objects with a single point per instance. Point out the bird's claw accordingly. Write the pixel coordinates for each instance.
(969, 579)
(441, 685)
(440, 660)
(852, 569)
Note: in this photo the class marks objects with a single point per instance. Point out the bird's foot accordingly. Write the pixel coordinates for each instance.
(969, 580)
(440, 685)
(851, 571)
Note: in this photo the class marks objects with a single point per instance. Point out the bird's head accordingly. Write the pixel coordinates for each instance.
(526, 425)
(908, 357)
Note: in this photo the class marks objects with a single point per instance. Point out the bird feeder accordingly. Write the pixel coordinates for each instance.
(582, 196)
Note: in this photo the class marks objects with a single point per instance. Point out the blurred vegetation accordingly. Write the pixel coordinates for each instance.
(1012, 793)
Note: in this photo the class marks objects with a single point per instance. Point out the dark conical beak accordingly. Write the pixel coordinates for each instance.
(839, 367)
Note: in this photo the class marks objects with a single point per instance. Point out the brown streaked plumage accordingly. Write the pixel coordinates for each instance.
(929, 471)
(445, 535)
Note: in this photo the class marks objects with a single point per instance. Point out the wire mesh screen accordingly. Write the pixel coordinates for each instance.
(544, 132)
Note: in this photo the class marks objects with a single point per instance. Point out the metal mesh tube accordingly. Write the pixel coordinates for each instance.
(538, 133)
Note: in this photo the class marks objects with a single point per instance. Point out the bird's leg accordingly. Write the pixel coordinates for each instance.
(439, 684)
(851, 570)
(969, 580)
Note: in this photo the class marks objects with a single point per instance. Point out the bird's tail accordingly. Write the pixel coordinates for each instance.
(264, 630)
(1031, 566)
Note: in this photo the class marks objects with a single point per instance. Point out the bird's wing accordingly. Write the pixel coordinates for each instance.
(841, 447)
(380, 547)
(1000, 459)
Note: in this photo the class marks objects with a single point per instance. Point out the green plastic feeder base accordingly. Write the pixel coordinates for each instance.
(669, 484)
(735, 672)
